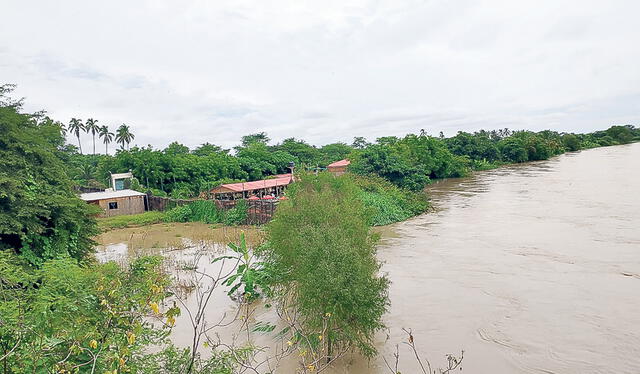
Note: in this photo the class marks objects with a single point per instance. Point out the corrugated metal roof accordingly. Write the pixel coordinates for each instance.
(92, 196)
(339, 163)
(283, 180)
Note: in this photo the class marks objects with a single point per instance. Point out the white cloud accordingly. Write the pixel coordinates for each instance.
(197, 71)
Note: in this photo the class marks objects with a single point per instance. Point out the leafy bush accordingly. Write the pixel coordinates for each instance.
(178, 214)
(237, 215)
(198, 211)
(40, 216)
(322, 253)
(386, 202)
(205, 211)
(63, 316)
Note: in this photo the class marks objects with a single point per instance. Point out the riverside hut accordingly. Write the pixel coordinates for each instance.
(115, 203)
(338, 167)
(245, 190)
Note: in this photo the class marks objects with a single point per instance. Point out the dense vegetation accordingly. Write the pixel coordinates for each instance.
(40, 216)
(61, 312)
(409, 162)
(206, 211)
(322, 253)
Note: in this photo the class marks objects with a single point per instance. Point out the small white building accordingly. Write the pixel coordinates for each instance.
(121, 181)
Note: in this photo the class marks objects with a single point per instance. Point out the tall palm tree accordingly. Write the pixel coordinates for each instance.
(75, 126)
(106, 136)
(124, 135)
(63, 129)
(92, 127)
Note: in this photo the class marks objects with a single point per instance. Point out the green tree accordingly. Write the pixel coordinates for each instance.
(322, 253)
(92, 127)
(75, 127)
(40, 216)
(360, 142)
(305, 153)
(207, 149)
(571, 142)
(106, 136)
(260, 137)
(176, 148)
(334, 152)
(124, 136)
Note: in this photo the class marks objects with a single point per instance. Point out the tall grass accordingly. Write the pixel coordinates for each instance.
(388, 203)
(206, 211)
(118, 222)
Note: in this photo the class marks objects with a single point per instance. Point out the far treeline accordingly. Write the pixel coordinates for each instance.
(410, 162)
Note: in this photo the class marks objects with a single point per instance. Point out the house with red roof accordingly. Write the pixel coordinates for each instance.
(338, 167)
(266, 189)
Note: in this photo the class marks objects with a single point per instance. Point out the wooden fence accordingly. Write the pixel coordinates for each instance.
(164, 203)
(259, 212)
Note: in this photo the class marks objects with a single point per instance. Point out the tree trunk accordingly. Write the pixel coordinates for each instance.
(94, 144)
(79, 144)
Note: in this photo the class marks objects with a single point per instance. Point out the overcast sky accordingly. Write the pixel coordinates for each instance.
(324, 71)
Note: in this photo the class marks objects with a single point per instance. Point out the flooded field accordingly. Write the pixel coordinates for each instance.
(530, 269)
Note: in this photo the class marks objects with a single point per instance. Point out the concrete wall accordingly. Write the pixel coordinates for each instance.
(126, 205)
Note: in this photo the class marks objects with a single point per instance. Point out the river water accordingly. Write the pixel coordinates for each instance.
(532, 268)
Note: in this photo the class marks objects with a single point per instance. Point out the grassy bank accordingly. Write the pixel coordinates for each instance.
(199, 211)
(133, 220)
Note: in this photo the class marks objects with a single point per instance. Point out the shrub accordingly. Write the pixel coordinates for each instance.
(198, 211)
(178, 214)
(205, 211)
(236, 215)
(322, 253)
(386, 202)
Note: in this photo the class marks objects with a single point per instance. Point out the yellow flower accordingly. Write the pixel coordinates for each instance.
(154, 307)
(121, 361)
(131, 337)
(156, 288)
(103, 302)
(93, 344)
(327, 314)
(289, 343)
(311, 367)
(171, 321)
(319, 337)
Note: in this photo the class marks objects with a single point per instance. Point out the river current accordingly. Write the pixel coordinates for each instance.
(533, 268)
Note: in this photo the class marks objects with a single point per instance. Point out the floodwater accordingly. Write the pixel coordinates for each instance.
(531, 268)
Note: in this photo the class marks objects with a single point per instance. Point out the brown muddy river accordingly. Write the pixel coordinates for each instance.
(530, 269)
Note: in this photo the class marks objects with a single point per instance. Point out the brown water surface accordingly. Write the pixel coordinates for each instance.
(532, 268)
